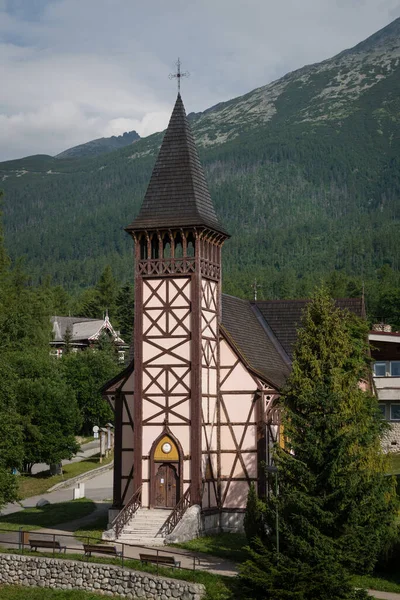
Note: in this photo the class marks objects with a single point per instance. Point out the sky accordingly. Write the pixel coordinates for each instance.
(75, 70)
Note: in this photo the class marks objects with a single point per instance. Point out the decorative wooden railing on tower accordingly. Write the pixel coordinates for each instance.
(124, 516)
(176, 515)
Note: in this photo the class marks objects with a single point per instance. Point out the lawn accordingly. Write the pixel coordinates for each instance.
(47, 516)
(225, 545)
(34, 485)
(374, 582)
(15, 592)
(94, 530)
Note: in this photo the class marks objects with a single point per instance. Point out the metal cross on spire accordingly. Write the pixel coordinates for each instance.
(178, 75)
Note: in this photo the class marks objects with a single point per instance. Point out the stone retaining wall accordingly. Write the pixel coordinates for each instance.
(16, 569)
(82, 477)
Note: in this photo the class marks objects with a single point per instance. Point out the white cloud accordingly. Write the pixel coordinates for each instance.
(74, 70)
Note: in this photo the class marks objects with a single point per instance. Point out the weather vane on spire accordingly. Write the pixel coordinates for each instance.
(178, 75)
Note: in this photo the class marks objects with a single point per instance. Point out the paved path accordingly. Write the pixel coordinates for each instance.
(86, 451)
(384, 595)
(98, 489)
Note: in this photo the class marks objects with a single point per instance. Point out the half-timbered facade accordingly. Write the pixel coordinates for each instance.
(195, 414)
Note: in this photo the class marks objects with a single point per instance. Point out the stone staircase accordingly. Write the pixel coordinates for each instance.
(144, 526)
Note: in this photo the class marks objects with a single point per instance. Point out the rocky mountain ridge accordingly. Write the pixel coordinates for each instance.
(100, 145)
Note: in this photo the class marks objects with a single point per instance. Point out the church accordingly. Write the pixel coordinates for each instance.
(195, 410)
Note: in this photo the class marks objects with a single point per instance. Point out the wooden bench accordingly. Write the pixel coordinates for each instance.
(166, 561)
(100, 549)
(52, 544)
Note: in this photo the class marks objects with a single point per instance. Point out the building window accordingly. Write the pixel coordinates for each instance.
(380, 369)
(395, 368)
(395, 412)
(382, 408)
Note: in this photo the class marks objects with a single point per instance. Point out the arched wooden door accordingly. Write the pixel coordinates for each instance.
(166, 486)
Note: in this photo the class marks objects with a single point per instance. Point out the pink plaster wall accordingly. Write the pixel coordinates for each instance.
(237, 407)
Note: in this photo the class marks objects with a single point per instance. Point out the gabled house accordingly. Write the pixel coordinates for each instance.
(80, 333)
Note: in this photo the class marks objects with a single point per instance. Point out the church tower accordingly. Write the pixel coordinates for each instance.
(177, 240)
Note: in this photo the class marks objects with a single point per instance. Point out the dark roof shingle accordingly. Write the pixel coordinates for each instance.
(284, 316)
(177, 194)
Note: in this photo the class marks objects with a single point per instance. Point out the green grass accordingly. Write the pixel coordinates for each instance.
(34, 485)
(217, 587)
(374, 582)
(15, 592)
(93, 530)
(225, 545)
(47, 516)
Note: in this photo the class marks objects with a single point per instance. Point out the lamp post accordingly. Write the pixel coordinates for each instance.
(274, 470)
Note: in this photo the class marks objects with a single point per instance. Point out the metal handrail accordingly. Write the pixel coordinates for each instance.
(127, 512)
(176, 515)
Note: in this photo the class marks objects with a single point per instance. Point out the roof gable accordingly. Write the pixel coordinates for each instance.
(82, 329)
(252, 340)
(177, 194)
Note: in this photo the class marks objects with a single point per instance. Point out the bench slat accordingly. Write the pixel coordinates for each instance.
(89, 548)
(46, 544)
(166, 560)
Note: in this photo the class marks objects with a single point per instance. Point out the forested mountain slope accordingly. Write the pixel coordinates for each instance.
(304, 172)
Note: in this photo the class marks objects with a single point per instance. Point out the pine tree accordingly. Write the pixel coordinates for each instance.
(107, 288)
(67, 340)
(125, 312)
(335, 504)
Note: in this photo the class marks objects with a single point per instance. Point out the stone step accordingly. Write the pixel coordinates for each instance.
(149, 519)
(141, 533)
(144, 526)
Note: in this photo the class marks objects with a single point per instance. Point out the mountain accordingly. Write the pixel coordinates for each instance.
(101, 145)
(304, 172)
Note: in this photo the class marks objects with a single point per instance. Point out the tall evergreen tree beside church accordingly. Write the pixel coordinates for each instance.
(335, 504)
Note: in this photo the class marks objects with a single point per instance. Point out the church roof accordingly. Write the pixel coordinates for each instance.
(265, 332)
(284, 316)
(177, 194)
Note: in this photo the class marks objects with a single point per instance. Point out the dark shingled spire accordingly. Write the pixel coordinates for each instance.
(178, 194)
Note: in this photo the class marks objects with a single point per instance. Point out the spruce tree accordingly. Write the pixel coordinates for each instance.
(335, 503)
(254, 517)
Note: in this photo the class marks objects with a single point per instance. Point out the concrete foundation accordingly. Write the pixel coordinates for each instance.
(222, 522)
